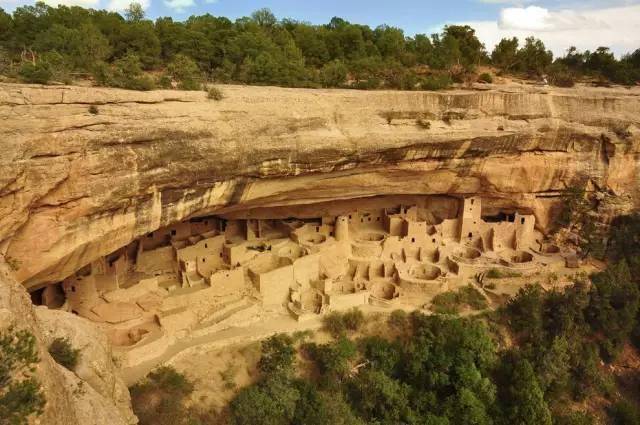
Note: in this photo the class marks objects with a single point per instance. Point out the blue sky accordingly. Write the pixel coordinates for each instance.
(586, 24)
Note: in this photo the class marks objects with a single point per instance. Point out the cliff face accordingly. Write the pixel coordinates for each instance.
(76, 185)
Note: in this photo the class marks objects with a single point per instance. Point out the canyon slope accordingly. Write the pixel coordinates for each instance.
(84, 171)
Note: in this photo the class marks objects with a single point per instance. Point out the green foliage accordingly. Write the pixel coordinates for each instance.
(520, 393)
(126, 73)
(63, 353)
(436, 82)
(333, 360)
(333, 324)
(379, 398)
(270, 402)
(215, 93)
(452, 302)
(278, 355)
(501, 274)
(184, 70)
(265, 50)
(624, 413)
(399, 320)
(353, 319)
(485, 77)
(20, 393)
(40, 73)
(505, 54)
(159, 399)
(334, 74)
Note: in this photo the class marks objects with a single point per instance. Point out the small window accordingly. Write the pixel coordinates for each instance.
(173, 232)
(206, 245)
(150, 235)
(206, 222)
(203, 260)
(433, 240)
(470, 235)
(75, 312)
(522, 220)
(369, 218)
(330, 233)
(377, 218)
(413, 240)
(221, 255)
(349, 216)
(472, 201)
(362, 220)
(317, 229)
(73, 289)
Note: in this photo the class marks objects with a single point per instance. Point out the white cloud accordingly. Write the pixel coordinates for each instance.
(179, 5)
(614, 27)
(83, 3)
(120, 5)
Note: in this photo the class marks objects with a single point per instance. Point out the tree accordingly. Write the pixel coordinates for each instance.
(264, 17)
(186, 72)
(379, 398)
(520, 394)
(533, 57)
(270, 402)
(277, 355)
(464, 47)
(134, 12)
(334, 74)
(505, 54)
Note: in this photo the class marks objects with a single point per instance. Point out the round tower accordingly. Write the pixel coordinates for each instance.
(342, 228)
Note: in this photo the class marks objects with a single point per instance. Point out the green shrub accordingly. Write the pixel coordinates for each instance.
(624, 413)
(126, 73)
(184, 70)
(398, 320)
(40, 73)
(93, 110)
(485, 77)
(501, 274)
(353, 319)
(333, 324)
(333, 74)
(452, 302)
(278, 355)
(159, 399)
(20, 392)
(436, 82)
(63, 353)
(215, 93)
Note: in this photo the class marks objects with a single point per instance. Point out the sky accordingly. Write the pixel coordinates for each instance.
(585, 24)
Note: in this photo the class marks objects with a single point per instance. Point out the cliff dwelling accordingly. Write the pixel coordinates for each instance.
(180, 281)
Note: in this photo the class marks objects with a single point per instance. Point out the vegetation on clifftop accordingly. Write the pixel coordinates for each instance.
(41, 43)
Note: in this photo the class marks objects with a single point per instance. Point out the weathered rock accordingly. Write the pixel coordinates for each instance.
(69, 399)
(95, 363)
(75, 186)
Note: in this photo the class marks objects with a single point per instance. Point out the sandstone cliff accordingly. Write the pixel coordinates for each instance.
(76, 185)
(81, 398)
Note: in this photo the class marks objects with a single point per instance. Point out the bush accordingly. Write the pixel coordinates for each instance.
(561, 76)
(215, 93)
(126, 73)
(353, 319)
(436, 82)
(452, 302)
(333, 324)
(333, 74)
(62, 352)
(485, 77)
(40, 73)
(20, 392)
(398, 320)
(93, 110)
(624, 413)
(277, 355)
(159, 399)
(184, 70)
